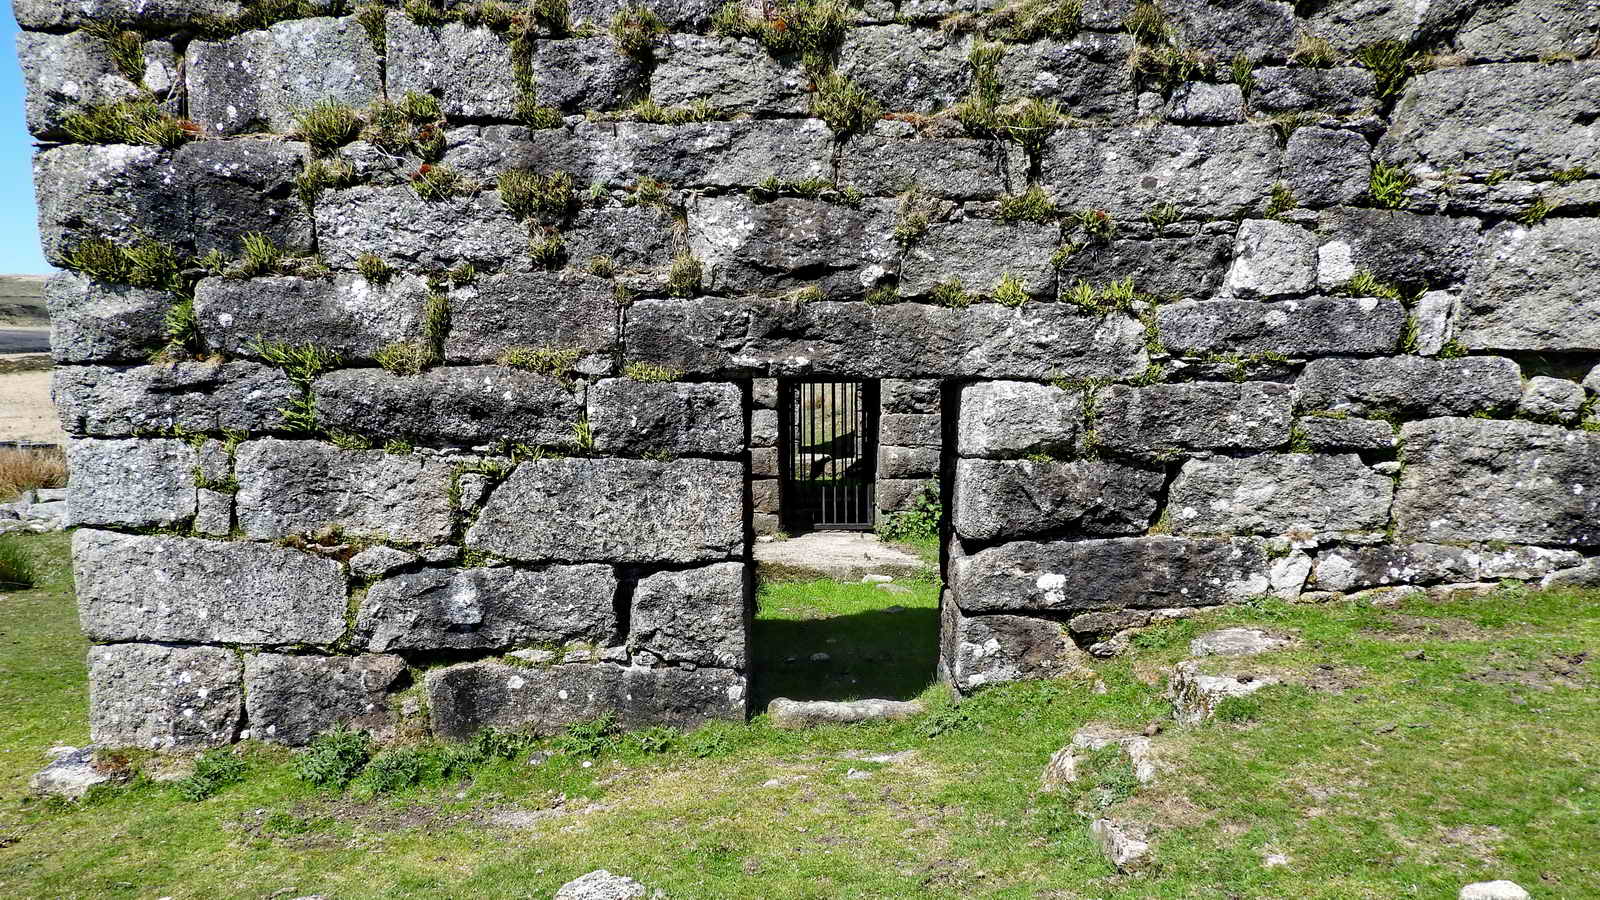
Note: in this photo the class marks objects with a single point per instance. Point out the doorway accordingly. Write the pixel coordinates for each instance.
(828, 454)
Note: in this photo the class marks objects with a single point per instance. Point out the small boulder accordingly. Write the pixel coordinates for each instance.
(1493, 890)
(1237, 642)
(797, 714)
(601, 885)
(1195, 696)
(1121, 847)
(71, 775)
(1063, 766)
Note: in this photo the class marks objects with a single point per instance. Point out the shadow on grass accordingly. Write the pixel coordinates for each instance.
(873, 653)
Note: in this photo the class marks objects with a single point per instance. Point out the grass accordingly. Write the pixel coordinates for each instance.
(138, 121)
(529, 194)
(24, 470)
(843, 104)
(1383, 775)
(328, 125)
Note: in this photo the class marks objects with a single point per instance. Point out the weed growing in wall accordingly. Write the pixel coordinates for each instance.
(434, 183)
(1030, 123)
(1313, 51)
(647, 192)
(1022, 21)
(328, 125)
(1009, 292)
(1163, 214)
(811, 29)
(684, 278)
(261, 256)
(911, 222)
(1388, 185)
(1536, 211)
(372, 267)
(1096, 223)
(124, 47)
(1391, 63)
(145, 264)
(1281, 201)
(129, 122)
(1242, 71)
(952, 293)
(649, 111)
(635, 29)
(528, 194)
(843, 104)
(548, 248)
(919, 522)
(320, 175)
(1032, 205)
(651, 374)
(551, 361)
(403, 358)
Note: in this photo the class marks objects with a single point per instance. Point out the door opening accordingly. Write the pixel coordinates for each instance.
(829, 456)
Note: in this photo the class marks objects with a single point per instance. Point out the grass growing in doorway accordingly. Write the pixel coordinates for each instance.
(878, 642)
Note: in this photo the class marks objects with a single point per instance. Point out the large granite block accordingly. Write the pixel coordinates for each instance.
(466, 698)
(1310, 327)
(462, 405)
(1488, 480)
(1111, 573)
(348, 315)
(1410, 386)
(495, 608)
(259, 80)
(130, 484)
(300, 487)
(750, 247)
(1517, 117)
(617, 510)
(555, 311)
(292, 699)
(635, 418)
(1008, 499)
(1018, 418)
(1532, 288)
(161, 697)
(161, 588)
(195, 396)
(1277, 494)
(1197, 416)
(732, 337)
(695, 616)
(1207, 171)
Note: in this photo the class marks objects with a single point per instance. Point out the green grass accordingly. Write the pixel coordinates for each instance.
(1380, 776)
(872, 653)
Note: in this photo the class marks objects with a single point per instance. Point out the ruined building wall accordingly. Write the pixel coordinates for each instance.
(461, 412)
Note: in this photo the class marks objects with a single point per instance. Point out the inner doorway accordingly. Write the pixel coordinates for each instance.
(828, 457)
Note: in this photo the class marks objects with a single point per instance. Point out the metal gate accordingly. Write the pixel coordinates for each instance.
(830, 453)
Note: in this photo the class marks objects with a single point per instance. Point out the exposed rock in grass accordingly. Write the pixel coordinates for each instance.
(1493, 890)
(1195, 696)
(1119, 844)
(1237, 642)
(1063, 767)
(71, 775)
(797, 714)
(602, 885)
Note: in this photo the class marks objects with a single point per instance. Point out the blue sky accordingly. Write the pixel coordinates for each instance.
(19, 229)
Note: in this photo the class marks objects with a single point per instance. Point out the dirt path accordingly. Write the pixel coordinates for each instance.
(26, 413)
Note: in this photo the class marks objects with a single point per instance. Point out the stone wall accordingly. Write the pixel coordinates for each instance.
(419, 361)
